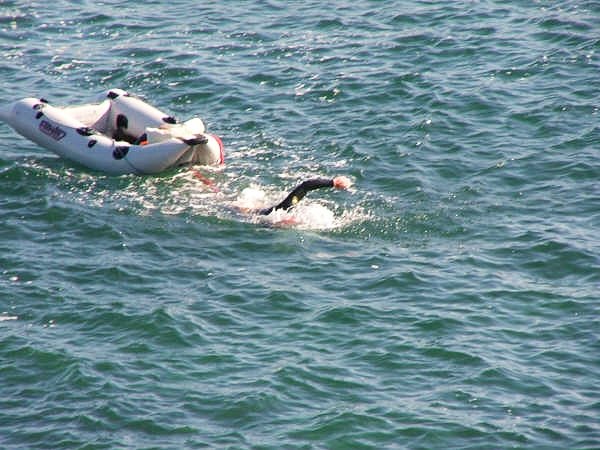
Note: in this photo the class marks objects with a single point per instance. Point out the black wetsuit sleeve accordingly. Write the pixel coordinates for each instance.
(299, 192)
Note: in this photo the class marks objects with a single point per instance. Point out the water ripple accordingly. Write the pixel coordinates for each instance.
(448, 300)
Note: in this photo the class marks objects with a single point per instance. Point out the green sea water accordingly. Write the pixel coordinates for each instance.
(449, 300)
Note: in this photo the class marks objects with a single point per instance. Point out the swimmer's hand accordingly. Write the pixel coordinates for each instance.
(341, 182)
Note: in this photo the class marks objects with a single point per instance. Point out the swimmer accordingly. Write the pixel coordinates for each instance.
(291, 200)
(303, 188)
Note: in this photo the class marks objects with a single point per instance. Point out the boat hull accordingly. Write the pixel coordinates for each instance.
(73, 133)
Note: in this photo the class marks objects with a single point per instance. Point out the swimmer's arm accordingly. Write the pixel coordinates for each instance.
(303, 188)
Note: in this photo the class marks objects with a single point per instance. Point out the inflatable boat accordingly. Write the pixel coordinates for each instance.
(120, 134)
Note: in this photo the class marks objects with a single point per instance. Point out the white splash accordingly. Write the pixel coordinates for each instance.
(310, 214)
(251, 198)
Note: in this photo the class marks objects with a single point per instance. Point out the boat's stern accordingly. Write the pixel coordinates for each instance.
(207, 153)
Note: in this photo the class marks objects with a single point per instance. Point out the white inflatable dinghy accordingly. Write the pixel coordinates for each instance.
(121, 134)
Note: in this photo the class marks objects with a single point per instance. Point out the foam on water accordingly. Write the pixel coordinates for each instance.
(200, 192)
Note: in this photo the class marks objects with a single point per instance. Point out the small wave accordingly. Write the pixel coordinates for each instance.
(4, 317)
